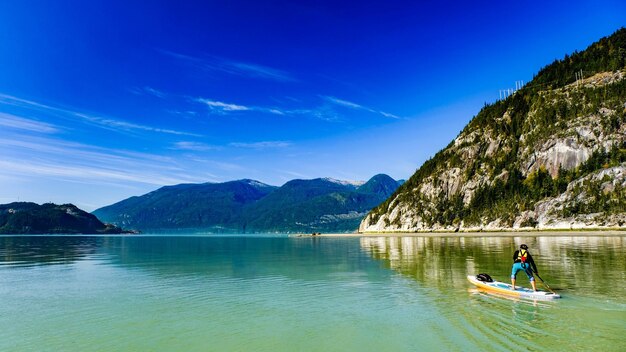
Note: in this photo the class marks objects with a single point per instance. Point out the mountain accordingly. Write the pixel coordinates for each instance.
(381, 185)
(318, 205)
(552, 155)
(217, 206)
(31, 218)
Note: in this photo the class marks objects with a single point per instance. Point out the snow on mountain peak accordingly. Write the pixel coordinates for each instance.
(255, 183)
(343, 182)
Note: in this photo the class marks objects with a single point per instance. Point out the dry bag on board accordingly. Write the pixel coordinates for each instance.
(484, 277)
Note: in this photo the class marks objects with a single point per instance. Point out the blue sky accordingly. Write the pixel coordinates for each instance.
(102, 100)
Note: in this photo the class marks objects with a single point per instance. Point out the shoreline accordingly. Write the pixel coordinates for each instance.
(545, 233)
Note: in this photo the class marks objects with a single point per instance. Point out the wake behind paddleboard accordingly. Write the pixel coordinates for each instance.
(506, 289)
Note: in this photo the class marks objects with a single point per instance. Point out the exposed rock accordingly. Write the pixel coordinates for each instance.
(555, 154)
(503, 171)
(568, 149)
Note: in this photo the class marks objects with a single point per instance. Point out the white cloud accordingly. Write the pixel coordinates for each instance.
(386, 114)
(115, 124)
(102, 122)
(262, 145)
(233, 67)
(14, 122)
(223, 166)
(221, 106)
(148, 91)
(194, 146)
(323, 112)
(49, 148)
(84, 172)
(295, 174)
(349, 104)
(48, 157)
(275, 111)
(346, 103)
(253, 70)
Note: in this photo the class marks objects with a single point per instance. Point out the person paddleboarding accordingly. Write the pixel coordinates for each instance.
(522, 260)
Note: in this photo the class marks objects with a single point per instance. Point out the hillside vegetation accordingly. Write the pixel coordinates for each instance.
(551, 155)
(31, 218)
(245, 206)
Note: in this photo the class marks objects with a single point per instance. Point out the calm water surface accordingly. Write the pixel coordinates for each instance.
(279, 293)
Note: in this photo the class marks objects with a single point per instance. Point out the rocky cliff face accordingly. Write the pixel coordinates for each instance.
(551, 156)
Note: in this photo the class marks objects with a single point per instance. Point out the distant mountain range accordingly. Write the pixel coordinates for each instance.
(318, 205)
(31, 218)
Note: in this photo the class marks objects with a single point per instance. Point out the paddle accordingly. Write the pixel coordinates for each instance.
(544, 283)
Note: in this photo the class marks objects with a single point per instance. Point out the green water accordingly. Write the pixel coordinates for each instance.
(236, 293)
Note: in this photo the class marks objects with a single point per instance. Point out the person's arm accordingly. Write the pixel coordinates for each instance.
(532, 262)
(515, 255)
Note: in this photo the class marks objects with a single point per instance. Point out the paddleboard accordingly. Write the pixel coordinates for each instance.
(506, 289)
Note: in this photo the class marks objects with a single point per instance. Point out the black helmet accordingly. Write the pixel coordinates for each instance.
(523, 246)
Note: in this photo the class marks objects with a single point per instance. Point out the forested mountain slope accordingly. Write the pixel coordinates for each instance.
(31, 218)
(244, 206)
(550, 156)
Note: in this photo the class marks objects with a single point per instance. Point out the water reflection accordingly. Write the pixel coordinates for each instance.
(240, 257)
(47, 250)
(588, 271)
(588, 265)
(228, 256)
(521, 309)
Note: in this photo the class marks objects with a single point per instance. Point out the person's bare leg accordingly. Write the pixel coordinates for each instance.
(513, 283)
(534, 285)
